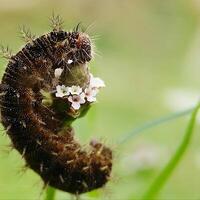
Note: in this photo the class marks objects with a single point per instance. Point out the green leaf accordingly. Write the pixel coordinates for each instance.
(169, 168)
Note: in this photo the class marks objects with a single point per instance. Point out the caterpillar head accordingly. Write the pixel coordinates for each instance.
(80, 47)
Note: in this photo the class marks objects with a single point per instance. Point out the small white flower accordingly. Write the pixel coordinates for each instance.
(90, 94)
(69, 61)
(62, 91)
(75, 90)
(77, 100)
(58, 72)
(96, 82)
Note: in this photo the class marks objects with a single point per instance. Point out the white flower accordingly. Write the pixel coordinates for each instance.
(75, 90)
(96, 82)
(58, 72)
(69, 61)
(77, 100)
(62, 91)
(90, 94)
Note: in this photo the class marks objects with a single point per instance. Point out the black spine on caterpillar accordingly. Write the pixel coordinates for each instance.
(38, 118)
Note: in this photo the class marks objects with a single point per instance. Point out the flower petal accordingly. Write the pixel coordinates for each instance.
(59, 94)
(76, 105)
(96, 82)
(91, 99)
(75, 89)
(70, 99)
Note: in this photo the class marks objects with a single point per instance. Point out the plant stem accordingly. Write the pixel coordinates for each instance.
(153, 123)
(168, 169)
(50, 193)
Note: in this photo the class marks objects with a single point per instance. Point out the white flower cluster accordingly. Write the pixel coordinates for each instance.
(77, 96)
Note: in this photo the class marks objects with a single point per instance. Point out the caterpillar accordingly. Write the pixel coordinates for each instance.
(46, 86)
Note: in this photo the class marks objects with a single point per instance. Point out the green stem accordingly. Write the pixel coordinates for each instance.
(50, 193)
(167, 171)
(153, 123)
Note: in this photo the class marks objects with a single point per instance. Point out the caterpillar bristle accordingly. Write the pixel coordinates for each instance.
(25, 34)
(89, 28)
(61, 178)
(5, 52)
(56, 22)
(23, 152)
(23, 170)
(6, 149)
(41, 167)
(77, 27)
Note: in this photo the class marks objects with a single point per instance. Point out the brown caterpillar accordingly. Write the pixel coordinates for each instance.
(37, 110)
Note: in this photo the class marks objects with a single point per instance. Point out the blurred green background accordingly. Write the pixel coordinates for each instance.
(148, 55)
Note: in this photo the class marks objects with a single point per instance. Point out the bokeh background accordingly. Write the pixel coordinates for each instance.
(148, 55)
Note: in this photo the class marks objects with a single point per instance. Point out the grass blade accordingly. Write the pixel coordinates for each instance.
(167, 171)
(50, 193)
(153, 123)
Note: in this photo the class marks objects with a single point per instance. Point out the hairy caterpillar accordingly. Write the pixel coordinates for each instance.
(45, 87)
